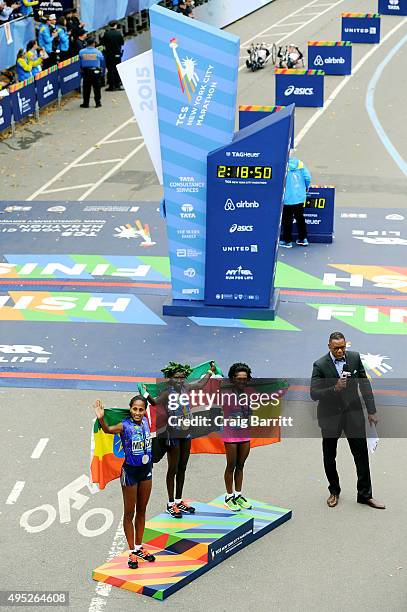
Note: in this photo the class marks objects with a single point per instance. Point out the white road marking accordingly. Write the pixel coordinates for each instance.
(78, 159)
(109, 174)
(102, 161)
(102, 590)
(123, 140)
(106, 139)
(67, 188)
(344, 82)
(289, 34)
(39, 449)
(15, 493)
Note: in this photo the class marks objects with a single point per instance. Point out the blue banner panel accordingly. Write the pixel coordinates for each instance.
(23, 99)
(299, 87)
(5, 113)
(393, 7)
(249, 114)
(196, 69)
(361, 27)
(245, 191)
(52, 7)
(69, 73)
(97, 13)
(47, 84)
(21, 30)
(319, 213)
(334, 58)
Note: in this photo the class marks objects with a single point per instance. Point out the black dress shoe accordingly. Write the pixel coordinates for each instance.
(373, 503)
(98, 105)
(84, 105)
(109, 89)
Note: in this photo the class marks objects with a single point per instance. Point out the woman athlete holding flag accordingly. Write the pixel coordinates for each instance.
(136, 474)
(178, 437)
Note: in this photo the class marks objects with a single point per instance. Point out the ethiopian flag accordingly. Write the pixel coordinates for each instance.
(107, 454)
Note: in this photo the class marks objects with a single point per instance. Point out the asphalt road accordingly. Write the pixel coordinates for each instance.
(348, 558)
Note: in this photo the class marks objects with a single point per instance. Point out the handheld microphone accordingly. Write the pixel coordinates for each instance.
(346, 371)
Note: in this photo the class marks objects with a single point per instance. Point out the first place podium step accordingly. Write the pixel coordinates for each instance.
(188, 547)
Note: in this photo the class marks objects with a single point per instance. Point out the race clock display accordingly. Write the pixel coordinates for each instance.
(245, 172)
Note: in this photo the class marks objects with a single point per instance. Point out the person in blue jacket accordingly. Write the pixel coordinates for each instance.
(26, 7)
(297, 182)
(46, 35)
(63, 39)
(93, 70)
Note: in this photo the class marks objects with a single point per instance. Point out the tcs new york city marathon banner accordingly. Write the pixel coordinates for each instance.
(196, 70)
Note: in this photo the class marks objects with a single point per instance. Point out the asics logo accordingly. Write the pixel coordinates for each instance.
(299, 91)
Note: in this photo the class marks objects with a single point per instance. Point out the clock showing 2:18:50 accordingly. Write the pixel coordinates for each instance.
(245, 172)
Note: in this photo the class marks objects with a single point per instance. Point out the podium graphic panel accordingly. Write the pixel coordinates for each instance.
(361, 27)
(245, 190)
(249, 114)
(334, 58)
(195, 69)
(299, 87)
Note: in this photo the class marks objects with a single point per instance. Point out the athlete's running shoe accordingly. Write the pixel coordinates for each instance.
(185, 508)
(286, 245)
(303, 242)
(231, 504)
(143, 554)
(174, 511)
(243, 503)
(132, 562)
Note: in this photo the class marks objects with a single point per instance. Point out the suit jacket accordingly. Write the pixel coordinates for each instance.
(333, 404)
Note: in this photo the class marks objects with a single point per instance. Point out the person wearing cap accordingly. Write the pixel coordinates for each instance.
(93, 69)
(113, 42)
(46, 35)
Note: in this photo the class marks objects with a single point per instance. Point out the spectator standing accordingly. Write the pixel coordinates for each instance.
(63, 37)
(34, 56)
(113, 42)
(46, 36)
(297, 182)
(184, 9)
(6, 11)
(79, 43)
(24, 65)
(93, 69)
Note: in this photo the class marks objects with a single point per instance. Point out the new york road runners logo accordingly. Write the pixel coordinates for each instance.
(187, 74)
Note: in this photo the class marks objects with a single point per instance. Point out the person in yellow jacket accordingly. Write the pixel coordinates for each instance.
(24, 65)
(34, 54)
(26, 7)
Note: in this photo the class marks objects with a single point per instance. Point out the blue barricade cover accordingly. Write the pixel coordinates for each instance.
(46, 84)
(300, 87)
(393, 7)
(14, 36)
(5, 113)
(69, 73)
(361, 27)
(334, 58)
(23, 99)
(97, 13)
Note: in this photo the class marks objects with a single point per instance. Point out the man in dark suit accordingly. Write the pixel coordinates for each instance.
(336, 380)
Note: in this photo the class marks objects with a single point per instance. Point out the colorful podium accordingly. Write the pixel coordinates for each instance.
(187, 548)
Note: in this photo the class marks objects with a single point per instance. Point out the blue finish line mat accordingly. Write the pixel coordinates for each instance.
(82, 287)
(187, 548)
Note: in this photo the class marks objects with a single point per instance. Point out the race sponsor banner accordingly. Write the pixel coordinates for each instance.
(196, 68)
(300, 87)
(393, 7)
(69, 74)
(5, 113)
(46, 85)
(334, 58)
(361, 27)
(249, 114)
(245, 193)
(52, 7)
(23, 99)
(319, 213)
(137, 75)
